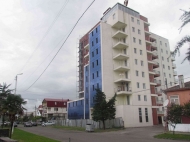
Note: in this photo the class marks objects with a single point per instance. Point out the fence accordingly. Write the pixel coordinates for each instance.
(180, 127)
(117, 122)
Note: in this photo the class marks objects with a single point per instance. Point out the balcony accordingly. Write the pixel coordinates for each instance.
(175, 73)
(122, 67)
(158, 82)
(86, 46)
(152, 82)
(173, 65)
(146, 30)
(154, 62)
(119, 34)
(124, 91)
(121, 56)
(147, 40)
(172, 58)
(122, 79)
(87, 55)
(176, 81)
(158, 92)
(157, 73)
(120, 45)
(119, 25)
(159, 102)
(160, 112)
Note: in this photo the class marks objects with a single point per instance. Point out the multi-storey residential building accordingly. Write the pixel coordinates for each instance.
(120, 55)
(52, 108)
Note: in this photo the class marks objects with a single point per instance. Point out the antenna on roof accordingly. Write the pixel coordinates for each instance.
(126, 2)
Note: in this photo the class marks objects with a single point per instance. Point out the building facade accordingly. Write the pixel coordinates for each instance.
(120, 55)
(54, 108)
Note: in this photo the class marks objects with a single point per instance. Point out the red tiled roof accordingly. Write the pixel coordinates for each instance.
(57, 100)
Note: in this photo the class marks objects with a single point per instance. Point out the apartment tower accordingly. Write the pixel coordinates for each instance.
(120, 55)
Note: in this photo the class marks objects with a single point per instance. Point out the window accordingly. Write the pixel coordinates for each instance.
(81, 102)
(138, 22)
(160, 42)
(92, 33)
(142, 74)
(93, 87)
(164, 74)
(168, 59)
(146, 114)
(166, 44)
(97, 85)
(97, 62)
(144, 86)
(137, 73)
(55, 109)
(174, 99)
(96, 30)
(140, 115)
(145, 98)
(139, 31)
(134, 39)
(132, 19)
(168, 67)
(92, 64)
(92, 54)
(86, 89)
(124, 51)
(96, 51)
(135, 50)
(139, 97)
(123, 29)
(126, 74)
(136, 61)
(141, 63)
(128, 100)
(93, 76)
(140, 52)
(164, 66)
(86, 68)
(76, 103)
(96, 40)
(170, 83)
(162, 50)
(162, 58)
(114, 16)
(123, 40)
(49, 109)
(138, 85)
(86, 100)
(139, 41)
(166, 52)
(97, 73)
(133, 29)
(92, 43)
(170, 75)
(86, 78)
(55, 103)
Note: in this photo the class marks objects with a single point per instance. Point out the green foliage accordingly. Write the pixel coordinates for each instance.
(185, 18)
(186, 109)
(23, 136)
(25, 118)
(173, 137)
(102, 109)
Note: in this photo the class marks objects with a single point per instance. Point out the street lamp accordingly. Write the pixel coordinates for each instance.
(16, 81)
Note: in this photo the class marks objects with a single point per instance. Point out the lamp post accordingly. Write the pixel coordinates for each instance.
(16, 81)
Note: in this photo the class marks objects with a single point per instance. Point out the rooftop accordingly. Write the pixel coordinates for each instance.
(177, 87)
(55, 100)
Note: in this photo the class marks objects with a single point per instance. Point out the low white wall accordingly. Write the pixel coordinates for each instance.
(180, 127)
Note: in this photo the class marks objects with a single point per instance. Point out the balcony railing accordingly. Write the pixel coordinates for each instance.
(173, 65)
(156, 72)
(120, 34)
(159, 102)
(122, 66)
(121, 90)
(160, 112)
(120, 45)
(121, 56)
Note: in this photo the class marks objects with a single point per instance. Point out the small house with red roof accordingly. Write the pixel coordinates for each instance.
(54, 108)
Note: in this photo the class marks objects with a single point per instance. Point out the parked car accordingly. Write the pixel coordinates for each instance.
(47, 123)
(15, 124)
(39, 123)
(27, 124)
(34, 123)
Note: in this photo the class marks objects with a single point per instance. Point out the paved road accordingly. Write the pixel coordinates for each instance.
(144, 134)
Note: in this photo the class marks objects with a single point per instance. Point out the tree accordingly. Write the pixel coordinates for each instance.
(13, 105)
(4, 92)
(185, 18)
(102, 109)
(186, 109)
(174, 113)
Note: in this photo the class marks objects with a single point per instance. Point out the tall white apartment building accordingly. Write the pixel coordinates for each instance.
(120, 55)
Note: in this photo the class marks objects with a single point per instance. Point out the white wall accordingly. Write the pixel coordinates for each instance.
(180, 128)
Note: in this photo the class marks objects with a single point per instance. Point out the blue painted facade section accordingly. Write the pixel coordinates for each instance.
(86, 91)
(76, 109)
(92, 79)
(95, 63)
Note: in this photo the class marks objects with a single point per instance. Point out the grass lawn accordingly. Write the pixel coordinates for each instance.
(83, 129)
(173, 137)
(23, 136)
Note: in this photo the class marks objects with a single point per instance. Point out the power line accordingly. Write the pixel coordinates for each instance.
(61, 45)
(59, 13)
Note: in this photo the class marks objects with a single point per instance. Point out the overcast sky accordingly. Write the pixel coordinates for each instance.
(23, 24)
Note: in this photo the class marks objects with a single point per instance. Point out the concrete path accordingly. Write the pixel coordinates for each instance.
(143, 134)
